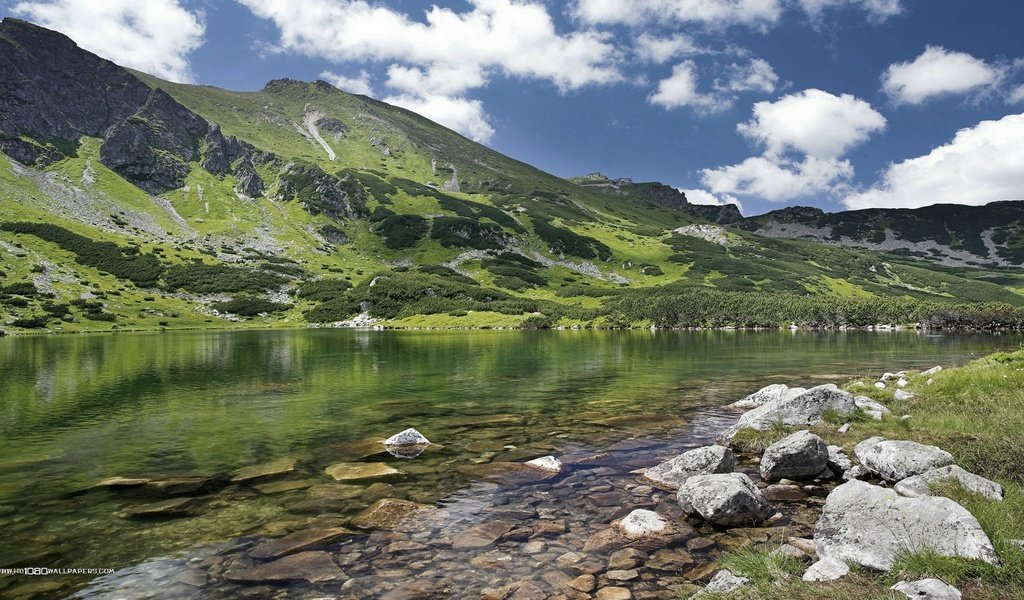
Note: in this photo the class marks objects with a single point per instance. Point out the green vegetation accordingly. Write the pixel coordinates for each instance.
(250, 306)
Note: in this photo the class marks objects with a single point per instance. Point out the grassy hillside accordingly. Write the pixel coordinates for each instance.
(369, 208)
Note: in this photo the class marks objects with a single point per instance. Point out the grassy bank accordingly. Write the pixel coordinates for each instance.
(976, 412)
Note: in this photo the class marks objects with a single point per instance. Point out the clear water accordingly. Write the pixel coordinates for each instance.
(76, 410)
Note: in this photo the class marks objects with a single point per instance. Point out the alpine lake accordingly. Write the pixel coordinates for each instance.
(207, 464)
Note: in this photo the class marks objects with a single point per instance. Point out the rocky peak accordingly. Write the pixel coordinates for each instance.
(795, 214)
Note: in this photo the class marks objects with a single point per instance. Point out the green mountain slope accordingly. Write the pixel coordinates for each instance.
(133, 203)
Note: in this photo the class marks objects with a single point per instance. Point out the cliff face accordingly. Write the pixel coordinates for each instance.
(52, 93)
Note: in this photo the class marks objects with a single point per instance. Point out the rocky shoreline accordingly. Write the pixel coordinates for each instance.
(639, 519)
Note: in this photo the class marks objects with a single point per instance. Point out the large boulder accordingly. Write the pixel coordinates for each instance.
(802, 410)
(895, 460)
(796, 456)
(700, 461)
(868, 525)
(727, 499)
(769, 393)
(927, 589)
(920, 485)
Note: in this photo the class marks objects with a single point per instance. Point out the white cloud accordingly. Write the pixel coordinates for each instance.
(155, 36)
(663, 49)
(1016, 95)
(937, 72)
(982, 164)
(878, 10)
(778, 179)
(706, 198)
(360, 84)
(805, 136)
(812, 122)
(437, 61)
(461, 114)
(715, 13)
(755, 76)
(680, 89)
(516, 38)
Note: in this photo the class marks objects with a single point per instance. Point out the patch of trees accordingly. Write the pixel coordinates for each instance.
(402, 231)
(204, 278)
(250, 306)
(565, 241)
(460, 232)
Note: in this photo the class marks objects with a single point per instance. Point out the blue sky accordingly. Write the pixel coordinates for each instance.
(768, 103)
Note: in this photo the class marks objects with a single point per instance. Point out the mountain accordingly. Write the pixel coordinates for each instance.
(134, 203)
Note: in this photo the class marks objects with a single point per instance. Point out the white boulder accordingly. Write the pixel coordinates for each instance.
(727, 499)
(897, 460)
(722, 583)
(546, 463)
(869, 525)
(776, 391)
(700, 461)
(409, 437)
(927, 589)
(920, 485)
(804, 409)
(828, 569)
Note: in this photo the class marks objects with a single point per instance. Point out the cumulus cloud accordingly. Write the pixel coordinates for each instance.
(812, 122)
(755, 76)
(937, 72)
(154, 36)
(982, 164)
(461, 114)
(680, 89)
(1016, 95)
(716, 13)
(657, 49)
(878, 10)
(706, 198)
(778, 179)
(804, 136)
(360, 84)
(438, 60)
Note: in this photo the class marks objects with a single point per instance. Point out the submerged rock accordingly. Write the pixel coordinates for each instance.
(700, 461)
(313, 567)
(483, 535)
(897, 460)
(927, 589)
(334, 491)
(511, 473)
(796, 456)
(356, 471)
(299, 541)
(802, 410)
(398, 515)
(270, 469)
(175, 507)
(868, 525)
(920, 485)
(641, 529)
(724, 499)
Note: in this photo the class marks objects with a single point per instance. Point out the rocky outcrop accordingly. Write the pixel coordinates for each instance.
(920, 485)
(249, 181)
(729, 499)
(869, 525)
(797, 456)
(322, 193)
(672, 473)
(897, 460)
(802, 410)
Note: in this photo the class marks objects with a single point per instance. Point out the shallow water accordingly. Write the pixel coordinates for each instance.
(76, 410)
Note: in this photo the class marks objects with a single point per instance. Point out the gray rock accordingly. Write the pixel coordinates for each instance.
(897, 460)
(802, 410)
(409, 437)
(546, 463)
(902, 395)
(796, 456)
(769, 393)
(722, 583)
(920, 485)
(828, 569)
(931, 371)
(856, 472)
(701, 461)
(927, 589)
(838, 461)
(843, 428)
(868, 525)
(869, 406)
(724, 499)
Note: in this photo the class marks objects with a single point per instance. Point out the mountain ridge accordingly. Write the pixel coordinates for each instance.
(150, 204)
